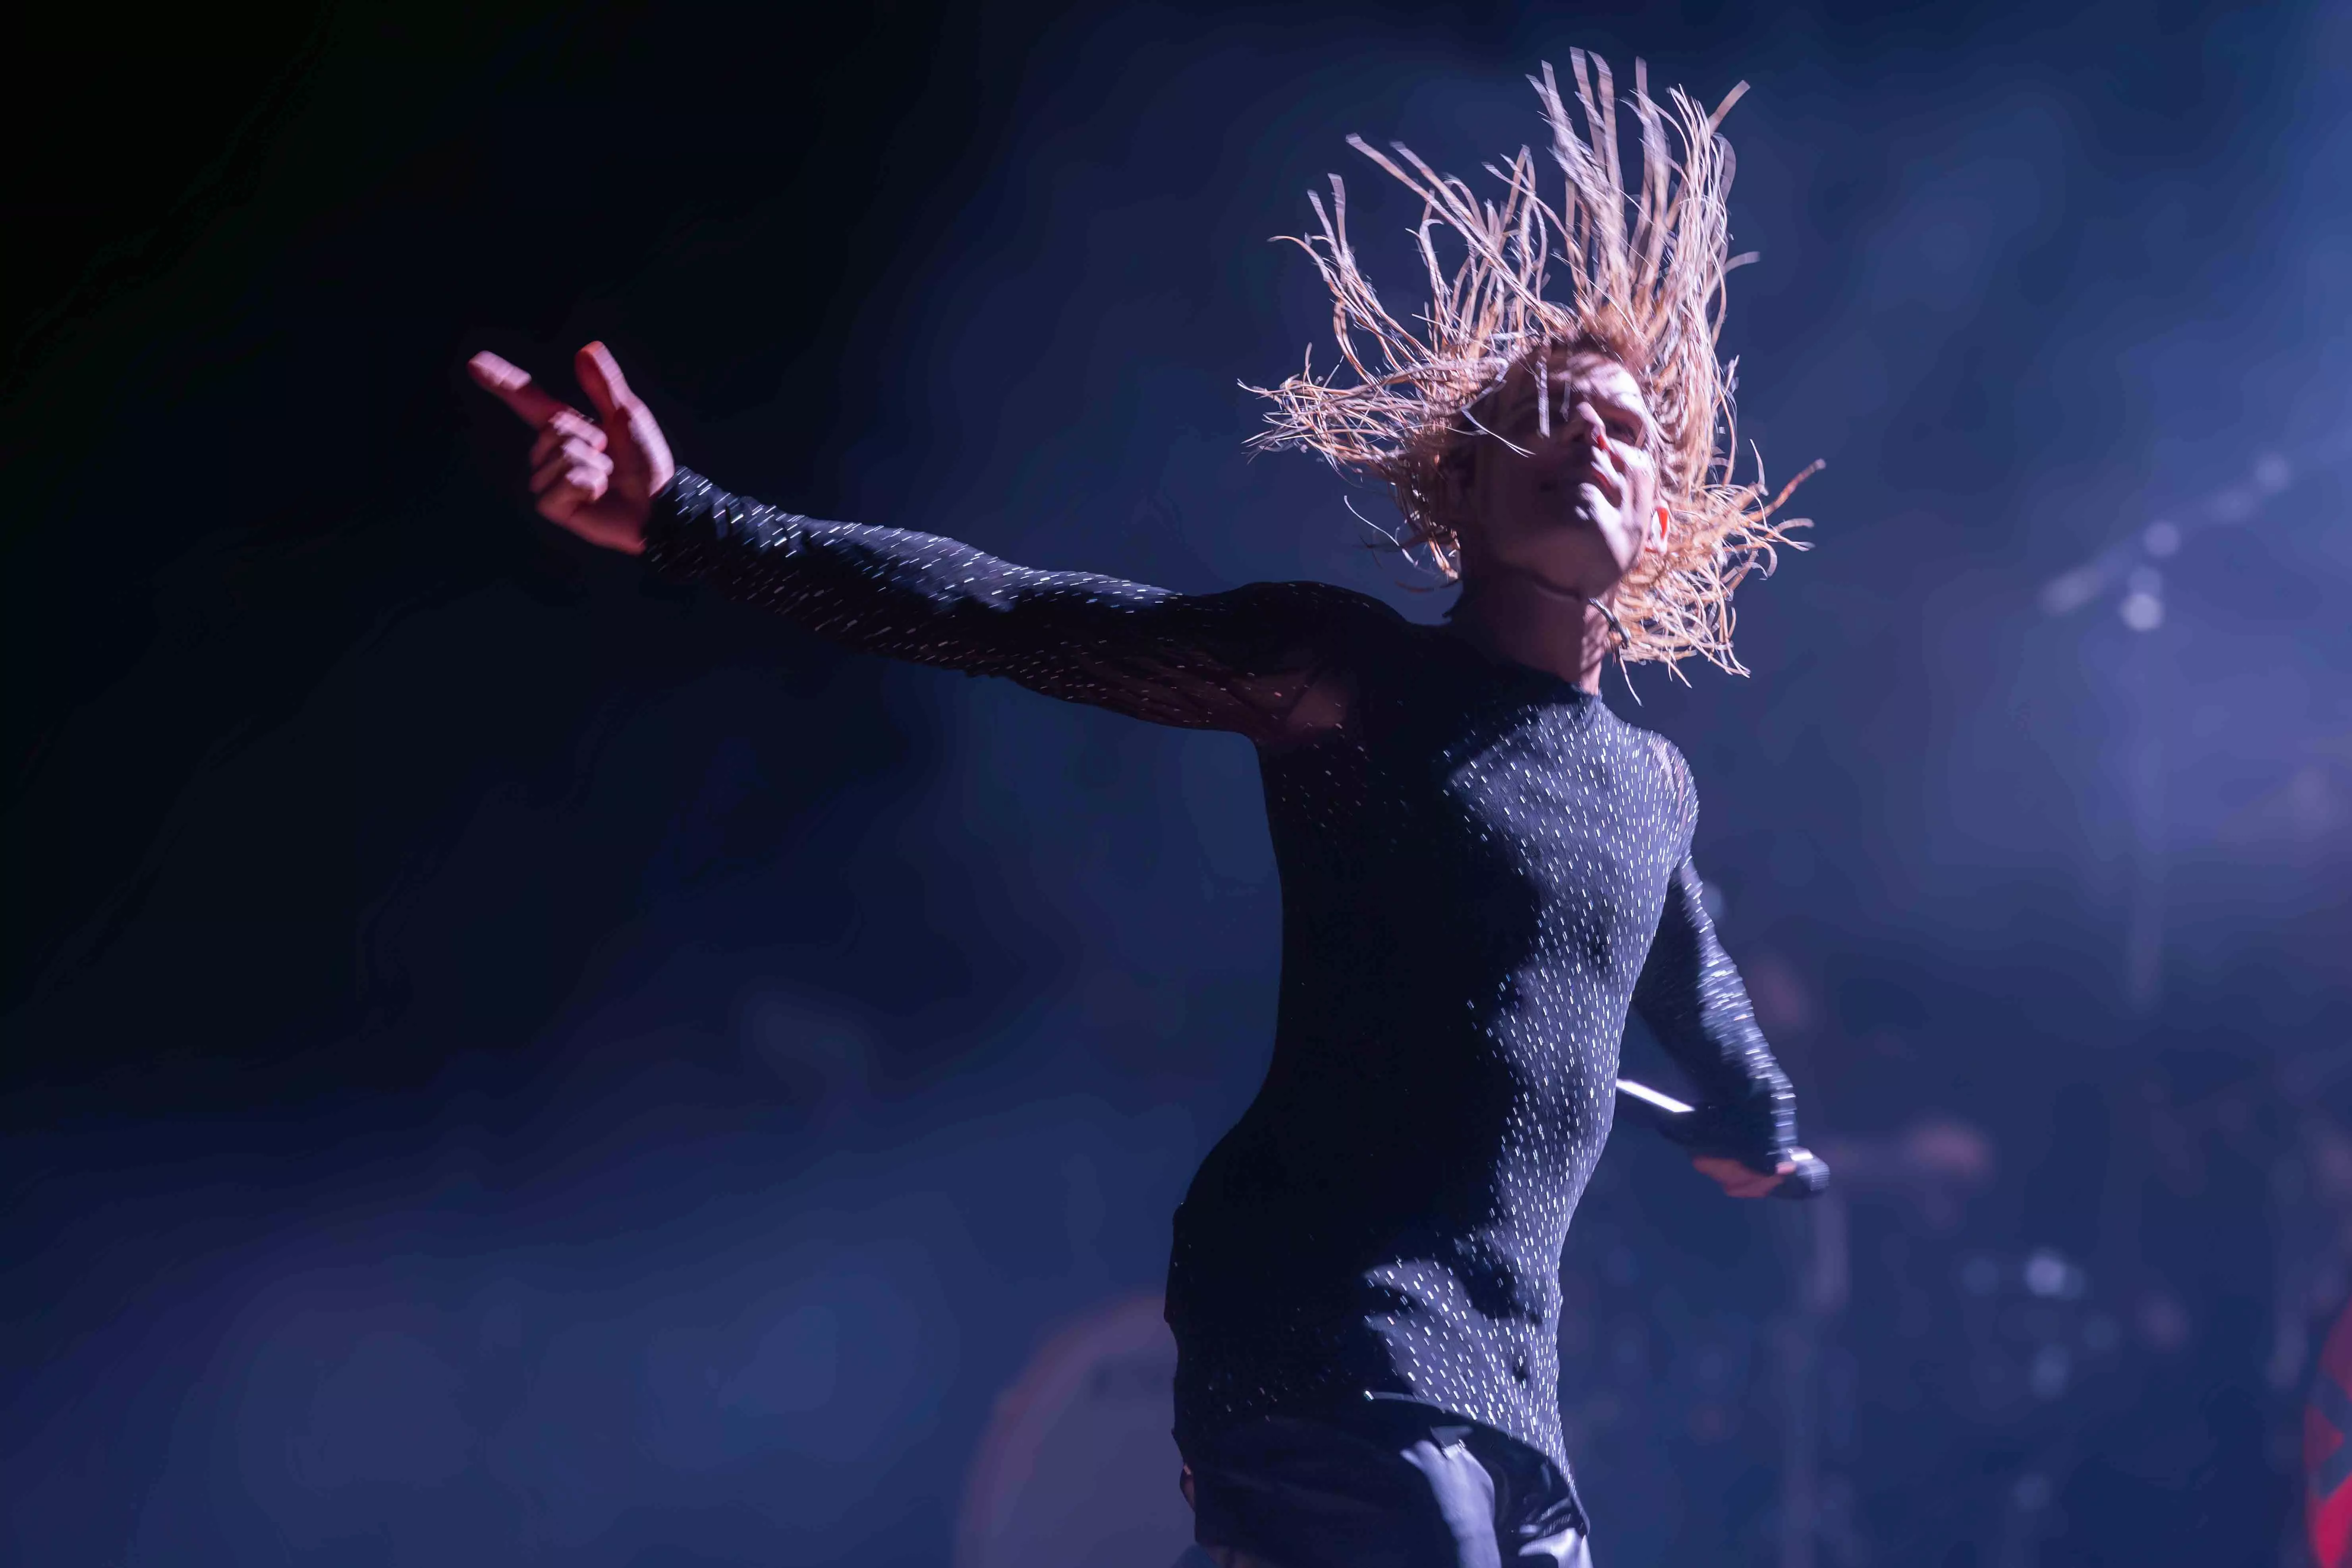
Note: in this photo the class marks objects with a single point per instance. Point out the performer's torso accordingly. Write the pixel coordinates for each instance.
(1472, 872)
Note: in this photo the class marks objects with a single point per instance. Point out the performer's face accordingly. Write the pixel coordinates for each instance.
(1574, 508)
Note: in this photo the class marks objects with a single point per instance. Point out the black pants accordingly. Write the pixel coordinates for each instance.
(1403, 1485)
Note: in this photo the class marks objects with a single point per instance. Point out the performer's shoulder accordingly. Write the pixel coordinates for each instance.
(1673, 768)
(1323, 608)
(1323, 598)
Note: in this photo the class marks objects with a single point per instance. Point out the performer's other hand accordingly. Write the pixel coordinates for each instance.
(1738, 1180)
(596, 476)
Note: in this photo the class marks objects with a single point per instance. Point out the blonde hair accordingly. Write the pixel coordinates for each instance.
(1645, 271)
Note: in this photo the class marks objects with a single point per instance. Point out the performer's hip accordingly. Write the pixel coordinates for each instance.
(1399, 1484)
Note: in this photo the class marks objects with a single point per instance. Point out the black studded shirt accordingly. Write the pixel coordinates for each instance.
(1483, 869)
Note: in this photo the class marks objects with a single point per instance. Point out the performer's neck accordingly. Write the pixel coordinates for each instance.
(1516, 616)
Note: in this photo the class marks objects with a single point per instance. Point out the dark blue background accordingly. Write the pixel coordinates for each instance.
(504, 1060)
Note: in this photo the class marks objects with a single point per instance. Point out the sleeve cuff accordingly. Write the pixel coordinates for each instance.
(672, 531)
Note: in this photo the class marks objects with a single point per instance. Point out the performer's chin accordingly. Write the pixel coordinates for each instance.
(1591, 509)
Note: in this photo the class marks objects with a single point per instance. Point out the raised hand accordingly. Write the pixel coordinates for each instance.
(596, 476)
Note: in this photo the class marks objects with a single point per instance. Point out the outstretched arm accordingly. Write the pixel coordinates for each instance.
(1259, 660)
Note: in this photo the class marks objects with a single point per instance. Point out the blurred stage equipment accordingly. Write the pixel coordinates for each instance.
(2134, 570)
(2327, 1451)
(2311, 1206)
(2037, 1335)
(1932, 1167)
(1077, 1468)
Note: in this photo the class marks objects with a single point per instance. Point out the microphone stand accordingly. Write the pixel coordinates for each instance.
(2134, 568)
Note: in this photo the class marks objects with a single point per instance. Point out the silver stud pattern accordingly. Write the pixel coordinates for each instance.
(1483, 870)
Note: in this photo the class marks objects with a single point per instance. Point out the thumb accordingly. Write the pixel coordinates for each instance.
(607, 388)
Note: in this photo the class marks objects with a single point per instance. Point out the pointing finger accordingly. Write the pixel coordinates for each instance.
(511, 385)
(600, 372)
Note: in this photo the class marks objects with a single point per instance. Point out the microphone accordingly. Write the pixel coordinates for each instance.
(1679, 1123)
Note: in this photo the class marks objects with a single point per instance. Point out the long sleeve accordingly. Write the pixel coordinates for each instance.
(1259, 660)
(1690, 996)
